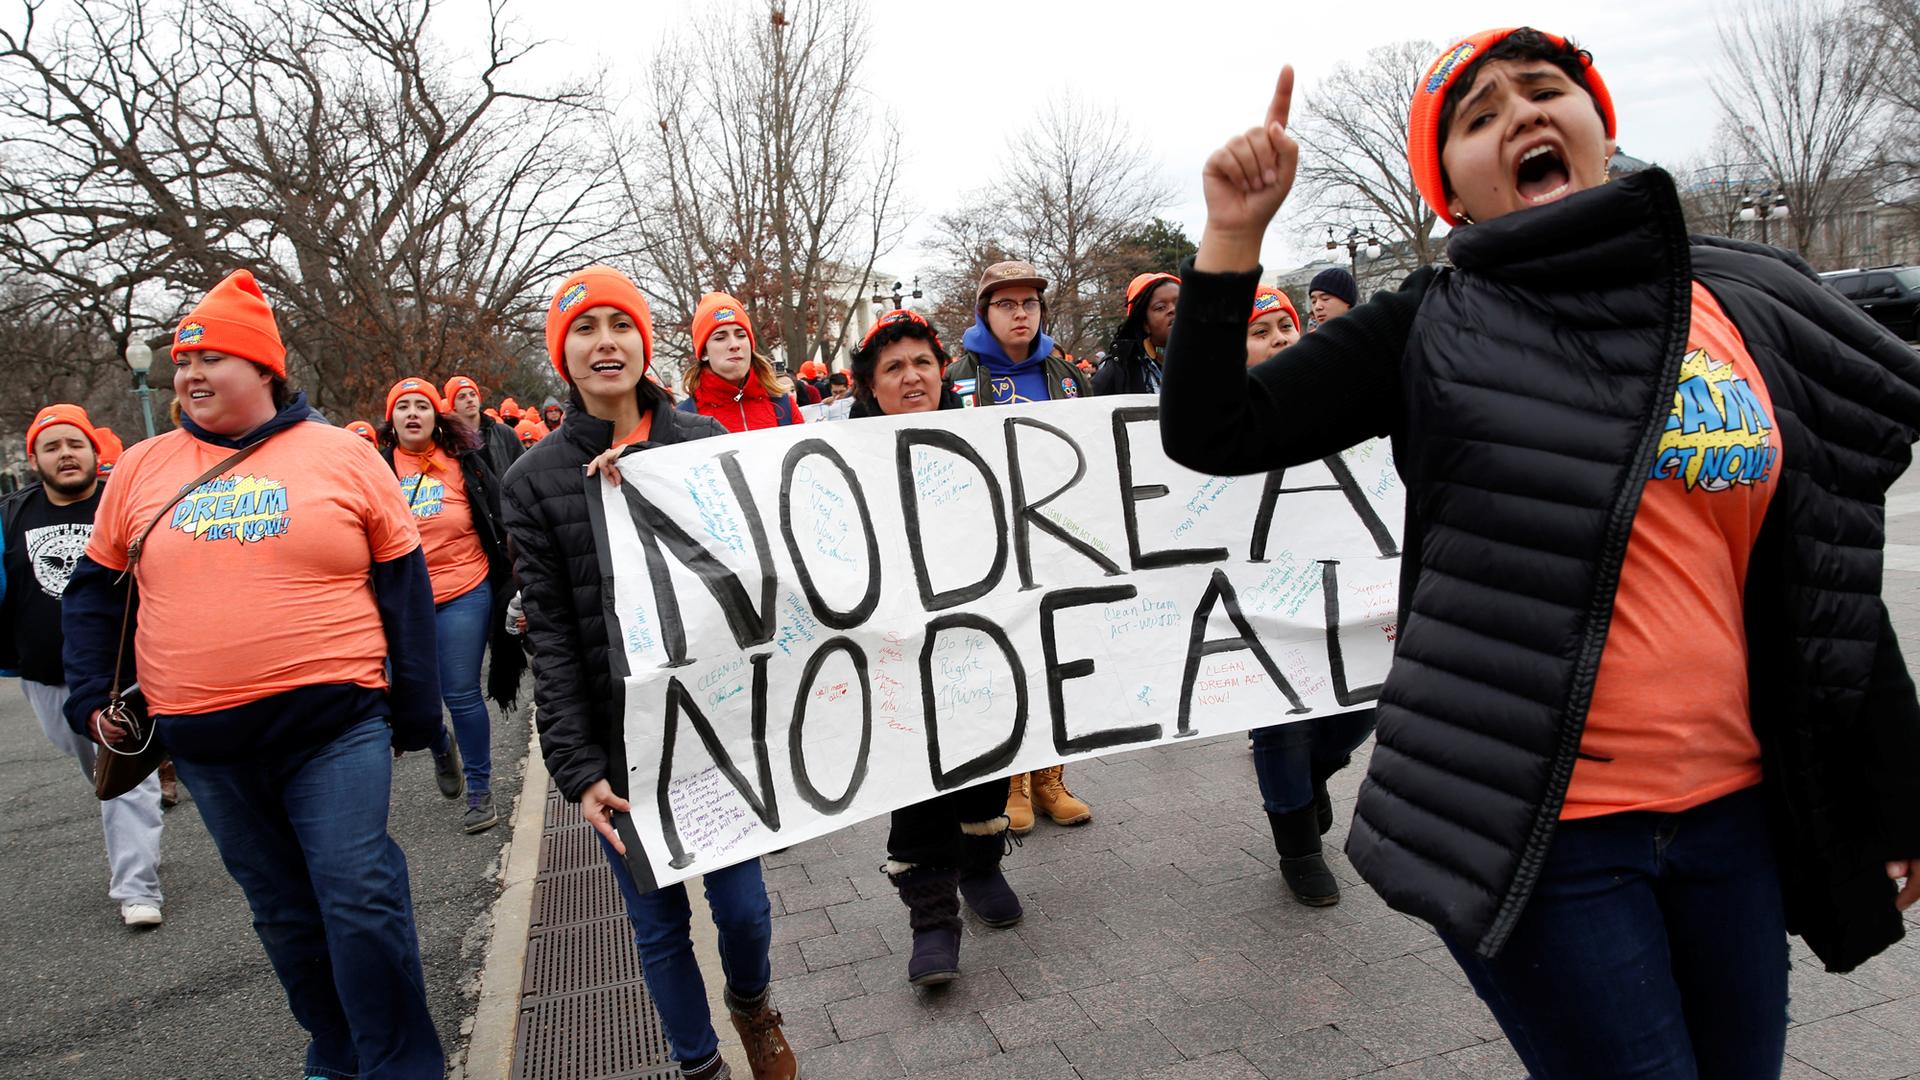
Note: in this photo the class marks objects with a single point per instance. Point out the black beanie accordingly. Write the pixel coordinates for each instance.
(1336, 282)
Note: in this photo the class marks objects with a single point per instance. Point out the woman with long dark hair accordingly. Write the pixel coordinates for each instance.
(455, 501)
(1133, 363)
(600, 338)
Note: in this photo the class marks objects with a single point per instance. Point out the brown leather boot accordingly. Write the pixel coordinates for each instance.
(1019, 805)
(758, 1022)
(1051, 797)
(169, 785)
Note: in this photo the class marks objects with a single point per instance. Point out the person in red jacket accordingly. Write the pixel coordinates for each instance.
(731, 381)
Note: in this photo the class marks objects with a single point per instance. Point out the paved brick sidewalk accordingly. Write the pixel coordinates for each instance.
(1159, 943)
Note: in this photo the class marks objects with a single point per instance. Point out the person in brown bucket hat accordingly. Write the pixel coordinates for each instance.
(1006, 357)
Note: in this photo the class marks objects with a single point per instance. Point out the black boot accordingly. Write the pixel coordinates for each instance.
(1323, 802)
(933, 914)
(1296, 836)
(981, 883)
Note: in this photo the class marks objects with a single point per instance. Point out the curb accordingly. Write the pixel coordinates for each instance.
(496, 1018)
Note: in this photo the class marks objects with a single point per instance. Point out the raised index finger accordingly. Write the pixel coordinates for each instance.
(1282, 103)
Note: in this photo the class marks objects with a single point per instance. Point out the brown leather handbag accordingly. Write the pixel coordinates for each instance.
(117, 771)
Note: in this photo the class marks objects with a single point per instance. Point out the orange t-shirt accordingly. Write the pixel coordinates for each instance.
(640, 431)
(257, 583)
(1669, 726)
(456, 562)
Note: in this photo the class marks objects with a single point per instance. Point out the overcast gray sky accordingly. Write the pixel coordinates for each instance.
(1185, 74)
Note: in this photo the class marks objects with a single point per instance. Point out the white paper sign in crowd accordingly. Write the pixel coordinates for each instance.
(814, 625)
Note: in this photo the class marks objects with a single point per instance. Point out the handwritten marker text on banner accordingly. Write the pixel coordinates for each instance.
(819, 628)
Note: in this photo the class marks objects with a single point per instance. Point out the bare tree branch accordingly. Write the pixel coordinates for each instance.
(1353, 155)
(1795, 86)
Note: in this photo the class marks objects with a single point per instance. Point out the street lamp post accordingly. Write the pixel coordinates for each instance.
(1357, 241)
(1769, 205)
(899, 296)
(140, 358)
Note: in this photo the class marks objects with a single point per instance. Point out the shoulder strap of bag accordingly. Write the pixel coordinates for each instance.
(139, 542)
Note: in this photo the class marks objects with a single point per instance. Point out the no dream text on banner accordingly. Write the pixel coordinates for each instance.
(811, 629)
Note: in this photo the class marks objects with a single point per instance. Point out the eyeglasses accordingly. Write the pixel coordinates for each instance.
(1008, 307)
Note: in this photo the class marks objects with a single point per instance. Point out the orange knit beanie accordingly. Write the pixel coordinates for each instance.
(234, 319)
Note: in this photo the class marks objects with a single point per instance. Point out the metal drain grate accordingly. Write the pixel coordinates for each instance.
(568, 959)
(572, 847)
(561, 813)
(575, 896)
(598, 1035)
(584, 1012)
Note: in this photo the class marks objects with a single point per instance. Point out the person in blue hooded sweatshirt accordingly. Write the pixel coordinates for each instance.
(1006, 357)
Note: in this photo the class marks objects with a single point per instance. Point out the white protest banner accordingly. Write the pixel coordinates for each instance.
(815, 625)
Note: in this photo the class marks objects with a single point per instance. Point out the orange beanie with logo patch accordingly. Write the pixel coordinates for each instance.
(1430, 98)
(62, 413)
(235, 319)
(1267, 300)
(596, 286)
(412, 385)
(715, 311)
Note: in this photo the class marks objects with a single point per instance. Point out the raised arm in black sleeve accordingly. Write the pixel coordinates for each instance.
(1335, 387)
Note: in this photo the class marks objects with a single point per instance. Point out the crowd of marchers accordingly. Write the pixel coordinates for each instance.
(1646, 715)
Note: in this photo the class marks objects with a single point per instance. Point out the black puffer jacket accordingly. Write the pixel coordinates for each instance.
(1525, 393)
(505, 662)
(545, 511)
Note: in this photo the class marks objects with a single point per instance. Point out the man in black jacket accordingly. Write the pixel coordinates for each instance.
(44, 529)
(501, 444)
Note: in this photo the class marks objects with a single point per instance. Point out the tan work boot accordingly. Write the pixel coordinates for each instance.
(1019, 806)
(1051, 797)
(768, 1055)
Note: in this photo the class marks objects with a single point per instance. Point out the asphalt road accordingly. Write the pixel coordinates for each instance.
(83, 997)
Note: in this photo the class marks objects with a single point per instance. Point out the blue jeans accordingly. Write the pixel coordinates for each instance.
(1289, 759)
(738, 900)
(1655, 947)
(306, 837)
(461, 628)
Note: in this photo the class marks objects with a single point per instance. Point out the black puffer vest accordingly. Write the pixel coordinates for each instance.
(1535, 384)
(546, 513)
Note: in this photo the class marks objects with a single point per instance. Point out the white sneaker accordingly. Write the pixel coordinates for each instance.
(140, 914)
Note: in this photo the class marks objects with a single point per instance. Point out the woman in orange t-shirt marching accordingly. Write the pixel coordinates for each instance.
(455, 500)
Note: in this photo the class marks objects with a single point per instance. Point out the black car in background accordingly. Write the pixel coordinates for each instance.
(1891, 294)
